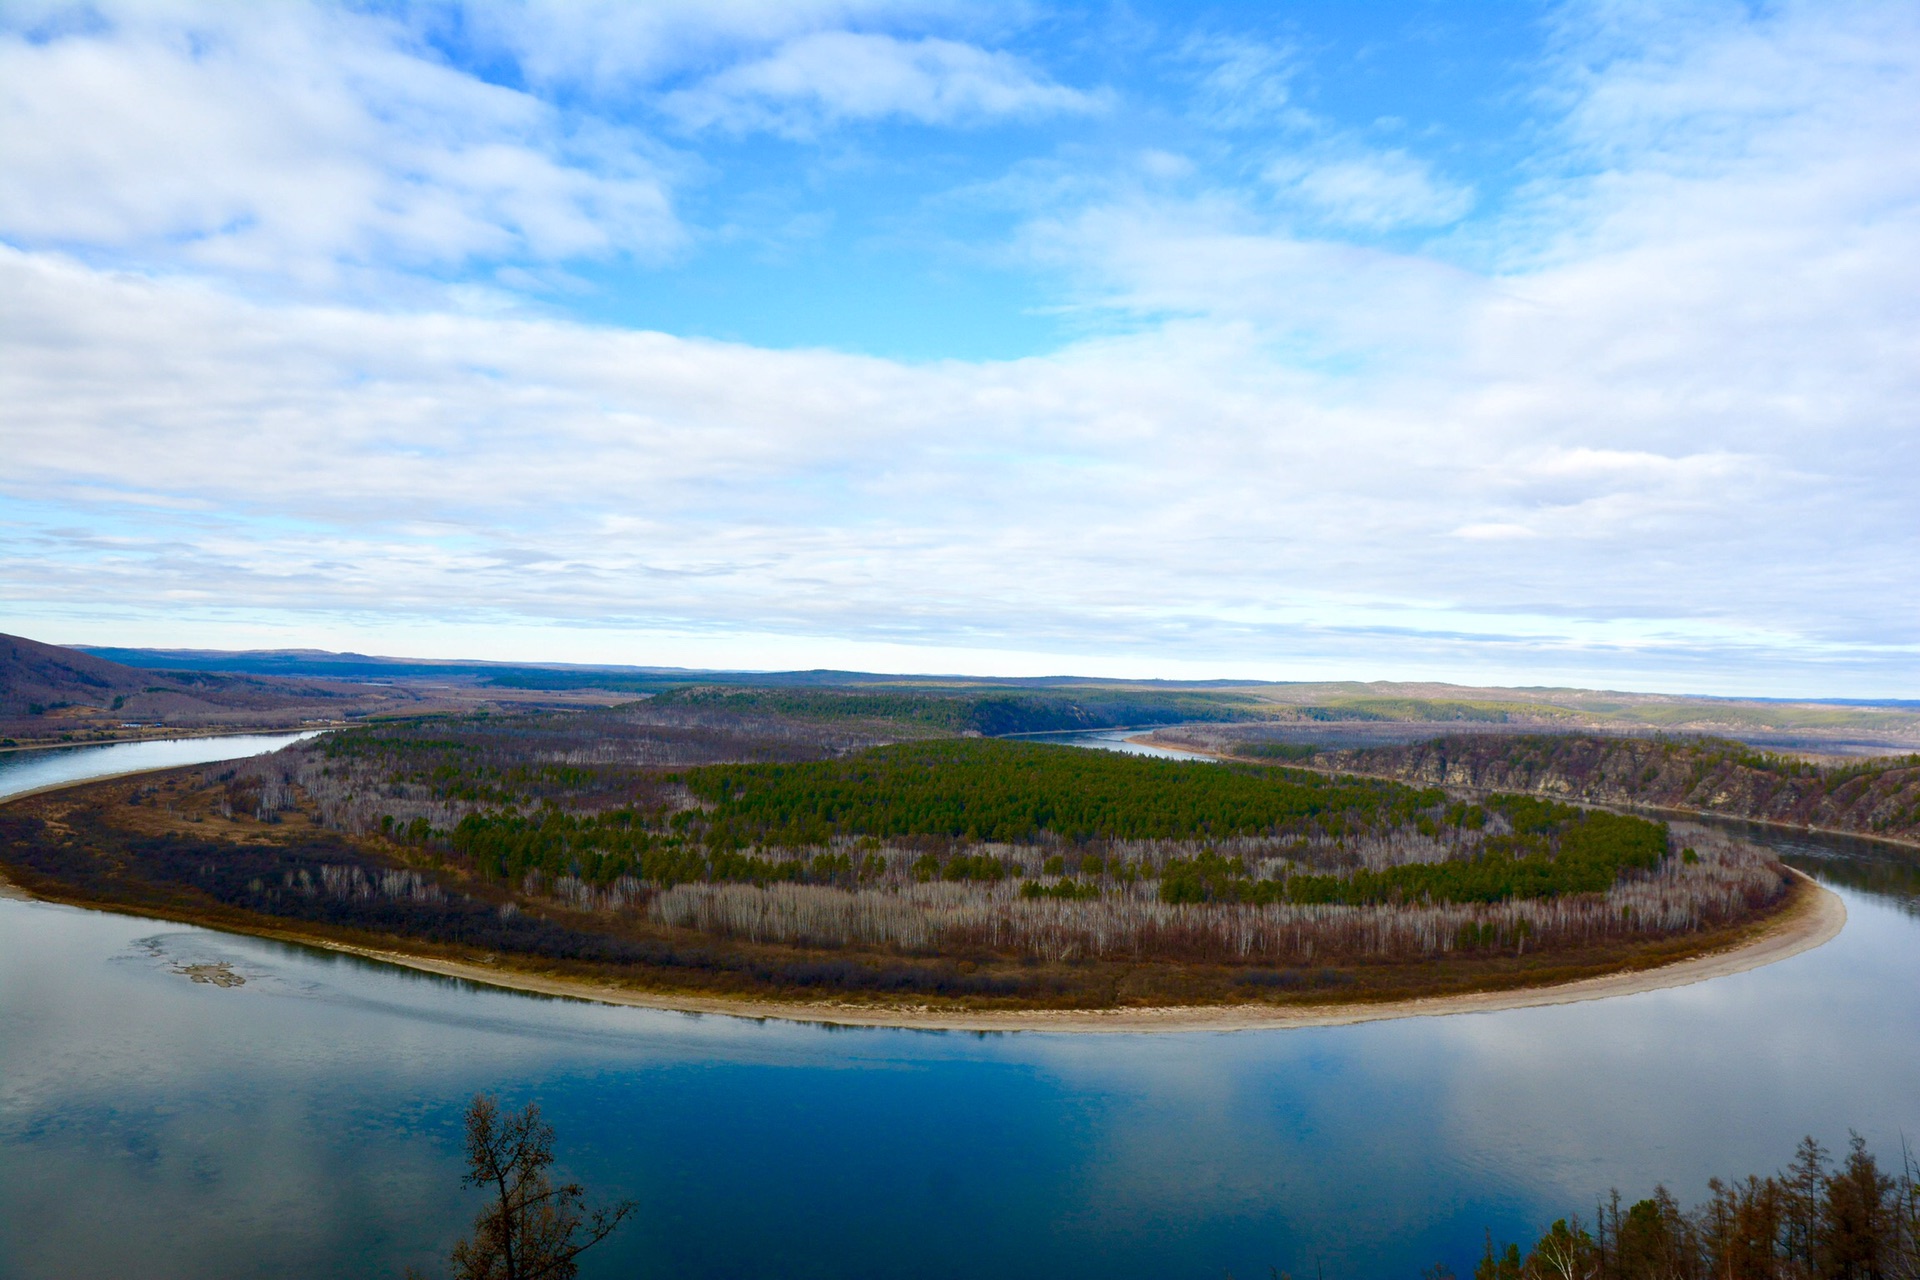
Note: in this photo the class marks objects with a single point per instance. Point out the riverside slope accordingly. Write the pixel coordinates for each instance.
(1879, 797)
(1876, 797)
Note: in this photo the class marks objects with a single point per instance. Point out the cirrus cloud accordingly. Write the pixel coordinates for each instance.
(832, 76)
(1377, 190)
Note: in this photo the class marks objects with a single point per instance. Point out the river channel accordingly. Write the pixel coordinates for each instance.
(306, 1123)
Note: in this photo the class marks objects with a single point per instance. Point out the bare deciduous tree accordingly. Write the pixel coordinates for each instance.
(530, 1229)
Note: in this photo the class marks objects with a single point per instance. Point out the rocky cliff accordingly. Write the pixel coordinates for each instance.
(1878, 797)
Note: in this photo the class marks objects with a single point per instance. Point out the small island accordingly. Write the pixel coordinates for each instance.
(863, 863)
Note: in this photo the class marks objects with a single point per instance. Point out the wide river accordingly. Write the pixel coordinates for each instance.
(308, 1122)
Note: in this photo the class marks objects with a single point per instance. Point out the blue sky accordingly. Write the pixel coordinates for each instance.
(1524, 343)
(894, 237)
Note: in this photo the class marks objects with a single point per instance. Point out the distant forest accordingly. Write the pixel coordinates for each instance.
(989, 712)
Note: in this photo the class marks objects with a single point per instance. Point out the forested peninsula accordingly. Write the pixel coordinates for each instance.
(728, 848)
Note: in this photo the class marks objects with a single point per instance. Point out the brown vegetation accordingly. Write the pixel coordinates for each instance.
(1872, 796)
(1131, 921)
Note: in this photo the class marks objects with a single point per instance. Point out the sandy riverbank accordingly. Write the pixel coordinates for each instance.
(1816, 917)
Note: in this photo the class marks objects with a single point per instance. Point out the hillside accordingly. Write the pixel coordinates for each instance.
(1360, 714)
(52, 693)
(43, 675)
(1873, 797)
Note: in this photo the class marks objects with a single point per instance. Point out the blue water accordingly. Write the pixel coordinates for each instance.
(29, 770)
(307, 1123)
(1114, 740)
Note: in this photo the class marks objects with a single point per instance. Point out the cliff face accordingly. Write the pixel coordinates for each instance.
(1878, 797)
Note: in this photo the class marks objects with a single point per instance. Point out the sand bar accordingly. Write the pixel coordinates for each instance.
(1816, 918)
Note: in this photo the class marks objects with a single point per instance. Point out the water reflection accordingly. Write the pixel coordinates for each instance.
(306, 1122)
(22, 771)
(1888, 871)
(1112, 740)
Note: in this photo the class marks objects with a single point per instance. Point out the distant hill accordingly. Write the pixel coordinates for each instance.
(1328, 712)
(564, 675)
(44, 675)
(991, 711)
(45, 689)
(350, 666)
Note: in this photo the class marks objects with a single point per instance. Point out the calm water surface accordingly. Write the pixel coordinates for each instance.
(28, 770)
(307, 1123)
(1114, 740)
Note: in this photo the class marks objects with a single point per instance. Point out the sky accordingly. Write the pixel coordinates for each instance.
(1493, 342)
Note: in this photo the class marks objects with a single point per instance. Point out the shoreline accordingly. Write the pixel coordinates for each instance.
(50, 787)
(170, 736)
(1815, 920)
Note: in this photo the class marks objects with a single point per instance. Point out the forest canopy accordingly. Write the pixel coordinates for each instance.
(797, 820)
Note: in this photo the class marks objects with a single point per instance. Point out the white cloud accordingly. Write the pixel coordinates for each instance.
(289, 138)
(1335, 178)
(1669, 438)
(791, 66)
(612, 47)
(1244, 83)
(1178, 494)
(1166, 166)
(1494, 532)
(1373, 190)
(829, 77)
(1216, 256)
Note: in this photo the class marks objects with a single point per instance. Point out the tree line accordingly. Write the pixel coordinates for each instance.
(984, 711)
(1815, 1220)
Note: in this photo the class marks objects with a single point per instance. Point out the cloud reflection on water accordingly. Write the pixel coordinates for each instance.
(307, 1122)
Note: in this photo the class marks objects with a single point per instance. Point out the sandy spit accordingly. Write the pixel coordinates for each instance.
(1817, 918)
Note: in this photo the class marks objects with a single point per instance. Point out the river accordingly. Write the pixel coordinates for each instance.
(307, 1122)
(22, 771)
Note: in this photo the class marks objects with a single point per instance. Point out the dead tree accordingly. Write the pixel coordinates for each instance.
(530, 1229)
